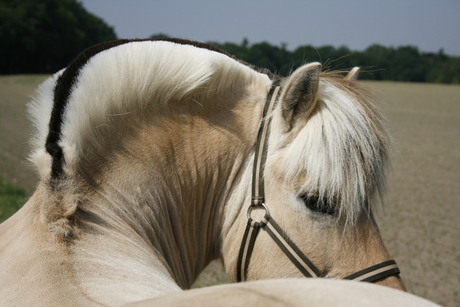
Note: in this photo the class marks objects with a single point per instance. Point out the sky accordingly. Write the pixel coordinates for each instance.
(430, 25)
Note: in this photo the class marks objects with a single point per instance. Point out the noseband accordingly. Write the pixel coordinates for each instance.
(299, 259)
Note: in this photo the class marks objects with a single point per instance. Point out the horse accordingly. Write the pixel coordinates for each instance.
(156, 157)
(293, 292)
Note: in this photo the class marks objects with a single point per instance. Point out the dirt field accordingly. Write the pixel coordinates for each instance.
(421, 220)
(15, 129)
(421, 224)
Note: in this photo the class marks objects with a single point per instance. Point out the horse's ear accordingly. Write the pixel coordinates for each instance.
(353, 74)
(299, 95)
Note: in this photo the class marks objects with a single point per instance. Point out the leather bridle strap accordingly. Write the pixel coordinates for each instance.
(299, 259)
(308, 269)
(249, 238)
(252, 228)
(376, 272)
(261, 149)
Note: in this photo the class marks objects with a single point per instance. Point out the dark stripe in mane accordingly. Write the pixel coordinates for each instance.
(67, 80)
(62, 93)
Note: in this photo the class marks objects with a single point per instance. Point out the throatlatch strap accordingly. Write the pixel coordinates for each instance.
(249, 238)
(376, 272)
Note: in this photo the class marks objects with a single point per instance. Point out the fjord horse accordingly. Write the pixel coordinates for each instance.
(156, 157)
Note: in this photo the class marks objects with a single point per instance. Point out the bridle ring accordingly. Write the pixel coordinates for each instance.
(267, 212)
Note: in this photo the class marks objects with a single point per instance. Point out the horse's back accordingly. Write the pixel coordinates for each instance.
(290, 292)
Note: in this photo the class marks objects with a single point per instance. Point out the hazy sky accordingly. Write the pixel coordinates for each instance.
(428, 24)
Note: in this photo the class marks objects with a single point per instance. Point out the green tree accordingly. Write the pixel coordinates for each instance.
(43, 36)
(406, 64)
(305, 54)
(265, 55)
(373, 62)
(449, 72)
(159, 35)
(377, 62)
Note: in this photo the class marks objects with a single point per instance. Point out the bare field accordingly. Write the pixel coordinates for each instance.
(15, 92)
(421, 220)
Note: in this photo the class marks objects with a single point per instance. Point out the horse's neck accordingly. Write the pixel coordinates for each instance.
(134, 237)
(171, 200)
(103, 264)
(152, 216)
(112, 256)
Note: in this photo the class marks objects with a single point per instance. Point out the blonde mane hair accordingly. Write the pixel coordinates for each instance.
(344, 147)
(131, 78)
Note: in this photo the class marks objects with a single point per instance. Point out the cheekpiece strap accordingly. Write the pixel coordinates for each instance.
(261, 149)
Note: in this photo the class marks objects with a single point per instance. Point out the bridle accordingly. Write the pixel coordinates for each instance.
(267, 223)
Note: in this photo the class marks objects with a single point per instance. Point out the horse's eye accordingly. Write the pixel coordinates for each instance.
(316, 203)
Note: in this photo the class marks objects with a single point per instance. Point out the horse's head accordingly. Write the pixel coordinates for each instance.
(324, 172)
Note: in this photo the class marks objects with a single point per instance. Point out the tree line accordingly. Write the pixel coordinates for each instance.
(44, 36)
(377, 62)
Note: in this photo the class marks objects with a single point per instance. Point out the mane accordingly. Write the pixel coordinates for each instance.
(122, 76)
(114, 79)
(344, 148)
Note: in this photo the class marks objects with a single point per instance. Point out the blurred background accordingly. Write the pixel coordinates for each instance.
(418, 39)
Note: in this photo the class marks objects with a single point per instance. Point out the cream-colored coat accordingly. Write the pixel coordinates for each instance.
(290, 292)
(158, 142)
